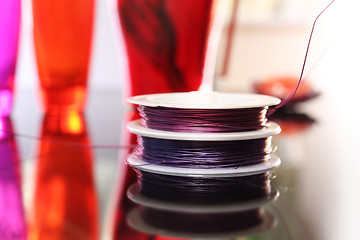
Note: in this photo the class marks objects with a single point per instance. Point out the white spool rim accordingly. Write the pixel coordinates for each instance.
(135, 220)
(205, 100)
(273, 162)
(137, 128)
(135, 196)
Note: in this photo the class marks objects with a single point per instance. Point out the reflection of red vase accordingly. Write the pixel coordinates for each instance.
(62, 37)
(165, 42)
(12, 219)
(65, 204)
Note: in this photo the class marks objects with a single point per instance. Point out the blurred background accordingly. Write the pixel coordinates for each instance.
(255, 40)
(254, 46)
(269, 38)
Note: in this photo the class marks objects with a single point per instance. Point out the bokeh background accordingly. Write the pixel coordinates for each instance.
(269, 39)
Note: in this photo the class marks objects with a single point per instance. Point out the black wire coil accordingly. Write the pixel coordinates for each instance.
(203, 154)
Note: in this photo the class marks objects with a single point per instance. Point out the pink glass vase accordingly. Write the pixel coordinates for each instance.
(9, 35)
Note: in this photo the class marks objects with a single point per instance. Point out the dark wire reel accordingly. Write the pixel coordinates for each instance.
(204, 190)
(203, 120)
(203, 154)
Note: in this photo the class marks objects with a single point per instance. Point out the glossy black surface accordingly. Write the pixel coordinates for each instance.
(317, 181)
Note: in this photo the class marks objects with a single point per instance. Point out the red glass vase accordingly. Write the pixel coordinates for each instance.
(166, 43)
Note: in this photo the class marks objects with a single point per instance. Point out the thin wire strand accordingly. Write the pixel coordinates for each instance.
(291, 96)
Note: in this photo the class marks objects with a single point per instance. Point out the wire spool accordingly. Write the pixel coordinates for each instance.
(203, 150)
(201, 112)
(203, 120)
(225, 135)
(203, 154)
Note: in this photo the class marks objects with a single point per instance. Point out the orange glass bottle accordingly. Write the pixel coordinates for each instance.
(65, 202)
(62, 37)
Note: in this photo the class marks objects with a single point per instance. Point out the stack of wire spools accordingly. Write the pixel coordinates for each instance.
(204, 162)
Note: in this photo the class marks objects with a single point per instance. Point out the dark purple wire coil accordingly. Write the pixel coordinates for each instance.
(203, 120)
(203, 222)
(202, 190)
(203, 154)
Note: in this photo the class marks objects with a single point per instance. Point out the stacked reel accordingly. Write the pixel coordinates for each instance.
(203, 154)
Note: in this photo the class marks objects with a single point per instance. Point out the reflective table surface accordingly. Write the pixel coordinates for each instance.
(66, 178)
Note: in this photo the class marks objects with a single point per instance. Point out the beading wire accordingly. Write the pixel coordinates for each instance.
(203, 120)
(203, 154)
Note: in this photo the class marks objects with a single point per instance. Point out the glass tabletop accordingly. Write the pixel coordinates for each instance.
(66, 178)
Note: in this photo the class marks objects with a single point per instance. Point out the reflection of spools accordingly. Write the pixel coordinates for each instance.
(204, 190)
(205, 222)
(171, 219)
